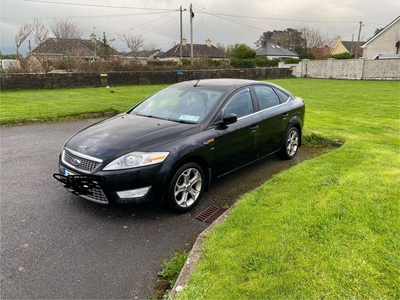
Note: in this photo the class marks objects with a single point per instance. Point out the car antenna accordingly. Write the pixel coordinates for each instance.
(195, 85)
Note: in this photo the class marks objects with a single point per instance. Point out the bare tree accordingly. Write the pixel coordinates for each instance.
(23, 33)
(133, 42)
(315, 43)
(65, 31)
(41, 33)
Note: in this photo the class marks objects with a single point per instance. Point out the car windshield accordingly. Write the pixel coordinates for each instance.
(180, 105)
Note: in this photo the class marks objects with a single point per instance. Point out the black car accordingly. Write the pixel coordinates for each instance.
(170, 146)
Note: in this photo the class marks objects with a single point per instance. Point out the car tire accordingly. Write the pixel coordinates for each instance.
(186, 187)
(291, 144)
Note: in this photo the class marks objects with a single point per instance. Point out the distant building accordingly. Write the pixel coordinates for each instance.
(385, 44)
(9, 63)
(199, 51)
(86, 49)
(273, 51)
(340, 47)
(142, 57)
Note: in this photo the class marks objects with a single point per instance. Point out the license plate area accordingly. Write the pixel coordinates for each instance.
(67, 172)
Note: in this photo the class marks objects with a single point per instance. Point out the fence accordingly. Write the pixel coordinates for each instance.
(12, 81)
(377, 69)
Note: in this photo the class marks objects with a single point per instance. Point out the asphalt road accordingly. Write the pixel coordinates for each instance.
(55, 245)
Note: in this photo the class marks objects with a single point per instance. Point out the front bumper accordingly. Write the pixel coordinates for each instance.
(114, 187)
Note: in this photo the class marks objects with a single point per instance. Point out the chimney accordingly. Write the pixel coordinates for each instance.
(93, 37)
(184, 42)
(208, 42)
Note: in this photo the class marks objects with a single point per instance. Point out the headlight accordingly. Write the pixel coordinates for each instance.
(136, 159)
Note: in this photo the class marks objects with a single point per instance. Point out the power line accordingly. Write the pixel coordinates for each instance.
(108, 16)
(97, 5)
(321, 20)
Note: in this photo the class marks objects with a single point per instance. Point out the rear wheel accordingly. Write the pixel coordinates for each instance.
(291, 145)
(186, 187)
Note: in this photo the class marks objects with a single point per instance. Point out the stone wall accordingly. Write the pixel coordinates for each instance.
(385, 69)
(12, 81)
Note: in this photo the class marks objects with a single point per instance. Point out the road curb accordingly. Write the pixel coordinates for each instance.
(194, 257)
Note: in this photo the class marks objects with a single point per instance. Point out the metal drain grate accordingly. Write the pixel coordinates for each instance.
(209, 214)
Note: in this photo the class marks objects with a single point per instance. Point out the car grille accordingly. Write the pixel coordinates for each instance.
(85, 186)
(77, 161)
(95, 195)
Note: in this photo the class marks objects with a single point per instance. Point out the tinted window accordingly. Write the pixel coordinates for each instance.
(240, 104)
(266, 96)
(283, 95)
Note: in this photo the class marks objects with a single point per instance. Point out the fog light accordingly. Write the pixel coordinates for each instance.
(134, 193)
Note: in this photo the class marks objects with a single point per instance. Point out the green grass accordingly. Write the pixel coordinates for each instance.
(172, 268)
(55, 104)
(328, 227)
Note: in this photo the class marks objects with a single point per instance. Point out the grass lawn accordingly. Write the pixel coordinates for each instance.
(55, 104)
(327, 228)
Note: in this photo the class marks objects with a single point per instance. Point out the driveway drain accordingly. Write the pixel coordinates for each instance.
(209, 214)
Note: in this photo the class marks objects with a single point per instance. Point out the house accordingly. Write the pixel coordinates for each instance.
(385, 43)
(199, 51)
(142, 57)
(273, 51)
(86, 49)
(351, 47)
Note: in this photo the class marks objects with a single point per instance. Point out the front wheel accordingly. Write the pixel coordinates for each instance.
(291, 145)
(186, 187)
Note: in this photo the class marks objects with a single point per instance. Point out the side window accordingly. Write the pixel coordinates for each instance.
(240, 104)
(283, 95)
(266, 96)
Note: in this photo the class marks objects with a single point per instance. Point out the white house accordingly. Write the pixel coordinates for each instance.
(385, 44)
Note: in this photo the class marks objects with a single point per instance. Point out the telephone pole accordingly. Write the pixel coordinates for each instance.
(191, 33)
(358, 40)
(180, 43)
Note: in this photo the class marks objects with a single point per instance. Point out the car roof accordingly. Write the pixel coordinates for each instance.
(218, 83)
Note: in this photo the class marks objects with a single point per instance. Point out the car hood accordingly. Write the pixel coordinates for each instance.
(125, 133)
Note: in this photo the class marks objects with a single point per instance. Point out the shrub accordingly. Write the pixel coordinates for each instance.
(243, 63)
(344, 55)
(291, 60)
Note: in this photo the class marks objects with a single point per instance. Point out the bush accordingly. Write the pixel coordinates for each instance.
(244, 52)
(243, 63)
(291, 60)
(344, 55)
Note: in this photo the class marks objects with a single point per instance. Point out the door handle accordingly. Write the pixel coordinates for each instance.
(254, 128)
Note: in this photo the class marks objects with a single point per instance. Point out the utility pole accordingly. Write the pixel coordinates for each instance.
(358, 40)
(180, 44)
(191, 33)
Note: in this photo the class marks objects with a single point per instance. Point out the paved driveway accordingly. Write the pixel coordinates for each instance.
(56, 245)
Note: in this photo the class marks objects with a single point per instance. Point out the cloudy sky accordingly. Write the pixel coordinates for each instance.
(222, 21)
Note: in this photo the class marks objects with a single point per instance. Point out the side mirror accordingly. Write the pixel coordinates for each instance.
(229, 118)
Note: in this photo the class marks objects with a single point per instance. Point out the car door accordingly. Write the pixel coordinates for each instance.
(273, 118)
(235, 143)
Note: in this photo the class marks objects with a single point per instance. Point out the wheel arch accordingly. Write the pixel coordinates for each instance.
(297, 123)
(188, 159)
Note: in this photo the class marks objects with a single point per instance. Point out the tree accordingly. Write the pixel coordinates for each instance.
(289, 38)
(228, 49)
(243, 52)
(65, 31)
(264, 39)
(40, 32)
(23, 33)
(315, 45)
(133, 42)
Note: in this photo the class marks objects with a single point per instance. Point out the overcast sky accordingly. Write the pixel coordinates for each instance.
(222, 21)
